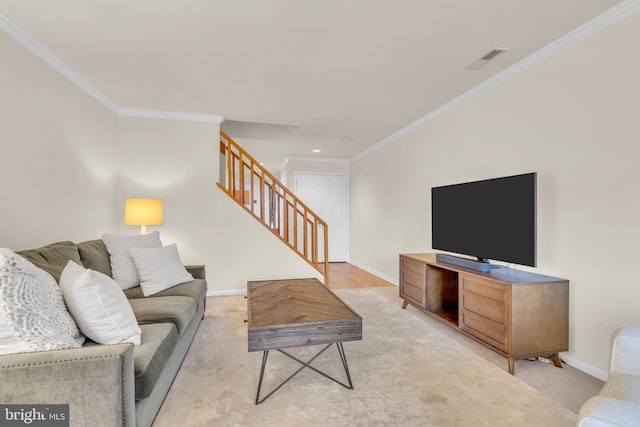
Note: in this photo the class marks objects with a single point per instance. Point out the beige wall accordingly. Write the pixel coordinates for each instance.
(178, 162)
(68, 163)
(57, 165)
(316, 166)
(573, 119)
(294, 166)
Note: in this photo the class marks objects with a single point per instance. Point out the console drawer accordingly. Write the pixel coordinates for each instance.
(486, 307)
(413, 265)
(487, 330)
(482, 310)
(415, 294)
(486, 289)
(414, 279)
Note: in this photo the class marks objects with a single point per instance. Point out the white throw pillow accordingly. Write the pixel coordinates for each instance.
(99, 306)
(159, 268)
(122, 268)
(33, 316)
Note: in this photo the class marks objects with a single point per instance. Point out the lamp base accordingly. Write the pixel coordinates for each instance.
(143, 229)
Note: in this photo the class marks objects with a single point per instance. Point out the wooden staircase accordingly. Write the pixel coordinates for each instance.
(273, 205)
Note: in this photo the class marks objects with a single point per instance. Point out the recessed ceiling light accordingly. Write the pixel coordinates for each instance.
(316, 151)
(345, 139)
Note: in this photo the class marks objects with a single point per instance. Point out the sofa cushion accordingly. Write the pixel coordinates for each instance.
(176, 310)
(623, 387)
(159, 268)
(122, 269)
(149, 358)
(53, 258)
(196, 290)
(94, 255)
(98, 306)
(33, 316)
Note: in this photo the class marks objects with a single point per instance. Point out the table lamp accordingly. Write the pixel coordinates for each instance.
(143, 212)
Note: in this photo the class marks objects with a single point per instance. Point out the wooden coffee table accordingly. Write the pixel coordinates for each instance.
(295, 313)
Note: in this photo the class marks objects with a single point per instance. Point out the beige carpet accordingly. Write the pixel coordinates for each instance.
(405, 373)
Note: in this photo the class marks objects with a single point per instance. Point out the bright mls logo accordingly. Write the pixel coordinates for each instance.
(34, 415)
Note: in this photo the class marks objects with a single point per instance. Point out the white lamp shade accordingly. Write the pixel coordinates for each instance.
(143, 212)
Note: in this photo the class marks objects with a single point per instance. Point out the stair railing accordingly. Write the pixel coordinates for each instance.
(262, 195)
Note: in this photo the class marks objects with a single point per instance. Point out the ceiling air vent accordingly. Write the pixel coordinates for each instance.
(485, 58)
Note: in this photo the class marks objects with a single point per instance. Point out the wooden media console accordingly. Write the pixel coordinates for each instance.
(517, 314)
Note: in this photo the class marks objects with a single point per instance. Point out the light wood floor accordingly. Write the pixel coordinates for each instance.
(343, 275)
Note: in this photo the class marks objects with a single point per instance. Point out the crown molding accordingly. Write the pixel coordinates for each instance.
(41, 51)
(169, 115)
(599, 23)
(34, 46)
(613, 15)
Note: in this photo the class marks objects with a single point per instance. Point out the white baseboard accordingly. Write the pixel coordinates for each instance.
(374, 272)
(584, 367)
(226, 293)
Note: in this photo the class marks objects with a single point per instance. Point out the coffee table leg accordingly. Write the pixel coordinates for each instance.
(343, 357)
(265, 354)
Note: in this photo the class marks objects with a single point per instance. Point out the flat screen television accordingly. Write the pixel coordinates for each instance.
(489, 219)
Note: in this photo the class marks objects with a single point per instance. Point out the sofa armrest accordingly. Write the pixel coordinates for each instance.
(602, 411)
(96, 381)
(197, 271)
(625, 351)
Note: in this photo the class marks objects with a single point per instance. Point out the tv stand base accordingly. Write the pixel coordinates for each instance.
(515, 313)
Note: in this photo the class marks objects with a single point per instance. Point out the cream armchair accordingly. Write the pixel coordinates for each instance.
(618, 403)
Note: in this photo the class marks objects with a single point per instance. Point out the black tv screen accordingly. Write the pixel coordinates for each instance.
(489, 219)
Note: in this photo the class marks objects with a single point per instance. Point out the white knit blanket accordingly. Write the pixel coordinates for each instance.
(33, 316)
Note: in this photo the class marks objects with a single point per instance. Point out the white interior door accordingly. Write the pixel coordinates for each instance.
(328, 196)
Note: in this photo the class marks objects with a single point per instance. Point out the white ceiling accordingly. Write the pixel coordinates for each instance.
(338, 75)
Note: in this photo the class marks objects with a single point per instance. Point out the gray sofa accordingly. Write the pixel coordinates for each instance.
(109, 385)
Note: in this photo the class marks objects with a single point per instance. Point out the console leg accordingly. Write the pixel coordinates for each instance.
(404, 304)
(555, 358)
(511, 365)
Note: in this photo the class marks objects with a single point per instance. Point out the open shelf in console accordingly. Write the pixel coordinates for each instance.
(442, 293)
